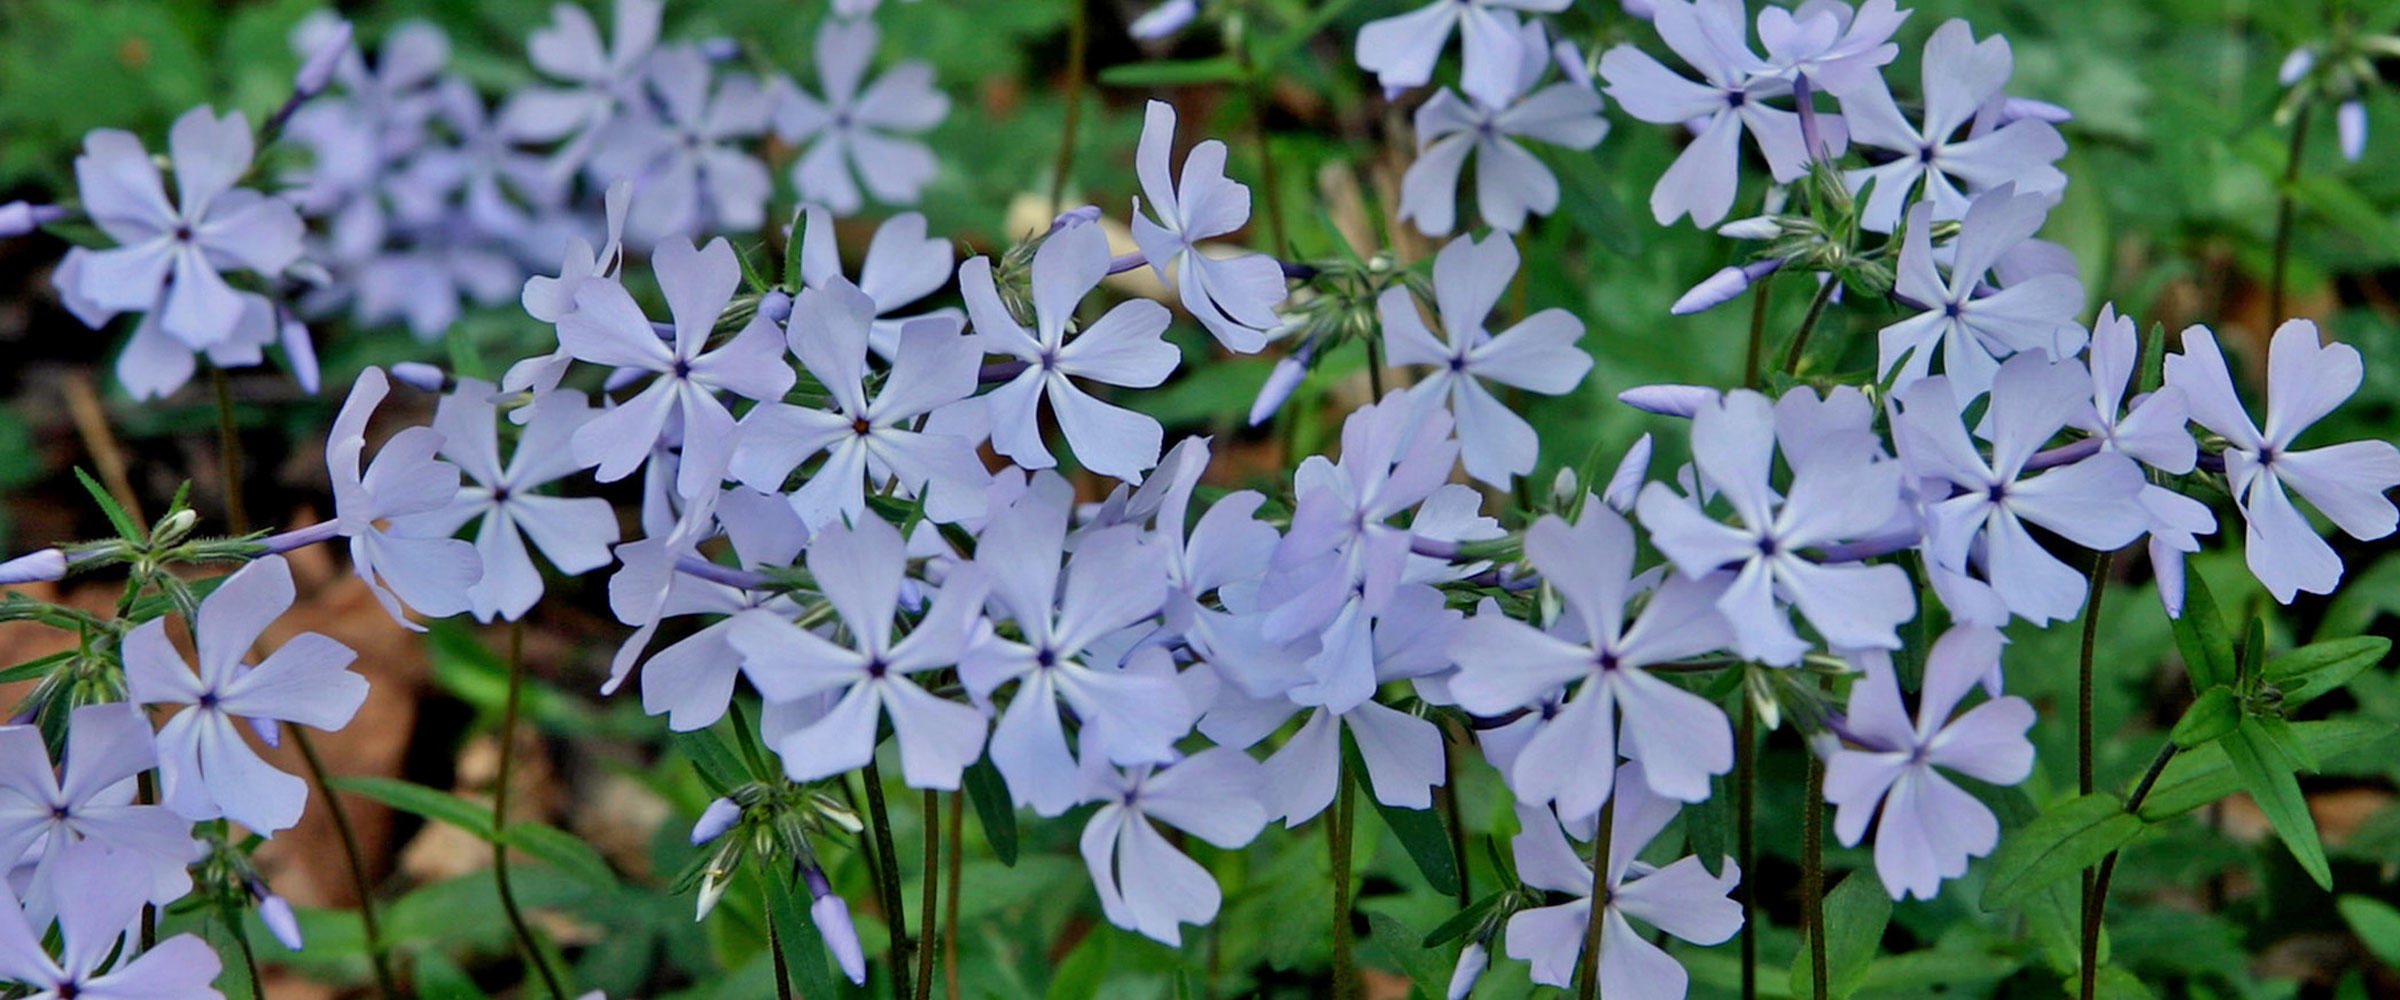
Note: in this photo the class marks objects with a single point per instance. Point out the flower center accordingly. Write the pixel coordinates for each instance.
(859, 427)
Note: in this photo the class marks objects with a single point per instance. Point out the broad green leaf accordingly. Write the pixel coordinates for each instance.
(2201, 636)
(1855, 914)
(2317, 668)
(431, 803)
(2277, 791)
(2216, 713)
(717, 764)
(2205, 775)
(2118, 983)
(2376, 923)
(2066, 838)
(1173, 72)
(1085, 972)
(562, 850)
(1392, 943)
(994, 810)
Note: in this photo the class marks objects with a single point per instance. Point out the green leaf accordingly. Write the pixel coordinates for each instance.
(1465, 920)
(994, 810)
(1428, 843)
(1855, 914)
(803, 944)
(2216, 713)
(793, 241)
(2119, 983)
(2277, 791)
(2205, 775)
(2376, 923)
(33, 668)
(123, 522)
(2319, 667)
(1391, 942)
(1173, 72)
(562, 850)
(1084, 972)
(2200, 634)
(431, 803)
(716, 762)
(2065, 839)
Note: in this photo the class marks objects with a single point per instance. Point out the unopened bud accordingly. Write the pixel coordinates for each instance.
(276, 913)
(719, 817)
(1721, 287)
(1472, 960)
(1280, 385)
(1756, 227)
(841, 936)
(18, 218)
(776, 305)
(2295, 66)
(174, 527)
(720, 49)
(317, 72)
(1563, 488)
(2350, 120)
(34, 567)
(1668, 399)
(1626, 484)
(2026, 108)
(1164, 20)
(419, 375)
(1074, 217)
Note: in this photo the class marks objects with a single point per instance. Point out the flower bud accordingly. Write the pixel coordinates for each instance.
(1571, 62)
(34, 567)
(2350, 119)
(1280, 385)
(776, 305)
(1756, 227)
(1074, 217)
(720, 49)
(1563, 488)
(18, 218)
(1632, 471)
(317, 72)
(2295, 66)
(841, 936)
(719, 817)
(419, 375)
(1164, 20)
(276, 913)
(1668, 399)
(2023, 108)
(1720, 288)
(1472, 960)
(174, 527)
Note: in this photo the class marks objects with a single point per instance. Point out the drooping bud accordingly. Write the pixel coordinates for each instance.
(1280, 385)
(34, 567)
(719, 817)
(317, 72)
(1472, 960)
(1668, 399)
(1756, 227)
(18, 217)
(2295, 66)
(1632, 471)
(1721, 287)
(2350, 120)
(276, 913)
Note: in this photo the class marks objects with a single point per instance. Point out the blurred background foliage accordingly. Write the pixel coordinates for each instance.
(2175, 165)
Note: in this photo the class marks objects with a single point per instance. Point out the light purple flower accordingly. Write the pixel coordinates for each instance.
(1537, 355)
(92, 924)
(691, 681)
(861, 570)
(574, 533)
(171, 255)
(608, 328)
(1681, 899)
(902, 266)
(1961, 76)
(549, 299)
(1832, 45)
(689, 162)
(1123, 347)
(1234, 297)
(2095, 502)
(1505, 664)
(431, 574)
(1844, 494)
(1731, 99)
(598, 78)
(2347, 482)
(1145, 883)
(1930, 827)
(378, 118)
(206, 769)
(1403, 753)
(1509, 182)
(2153, 430)
(18, 218)
(44, 815)
(853, 134)
(1112, 582)
(1401, 50)
(867, 442)
(1968, 324)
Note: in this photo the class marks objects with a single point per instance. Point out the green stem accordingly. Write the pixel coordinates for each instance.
(1816, 310)
(1078, 40)
(894, 909)
(229, 452)
(1812, 876)
(928, 920)
(1458, 828)
(1758, 334)
(1745, 821)
(241, 940)
(783, 966)
(1374, 365)
(2098, 905)
(379, 952)
(956, 842)
(2283, 214)
(1337, 845)
(1593, 918)
(2097, 585)
(500, 794)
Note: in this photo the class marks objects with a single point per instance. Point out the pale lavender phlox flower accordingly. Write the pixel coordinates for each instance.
(1929, 827)
(206, 770)
(1729, 99)
(1969, 326)
(692, 681)
(92, 924)
(867, 442)
(1233, 297)
(1403, 753)
(1826, 41)
(902, 266)
(550, 298)
(1145, 883)
(2153, 430)
(574, 533)
(855, 134)
(155, 363)
(1680, 899)
(2094, 503)
(1113, 581)
(1538, 354)
(1510, 183)
(499, 188)
(379, 116)
(2346, 482)
(608, 328)
(1835, 495)
(596, 79)
(1401, 50)
(431, 574)
(1123, 347)
(861, 570)
(1960, 76)
(426, 274)
(44, 814)
(1505, 664)
(1224, 555)
(687, 153)
(171, 256)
